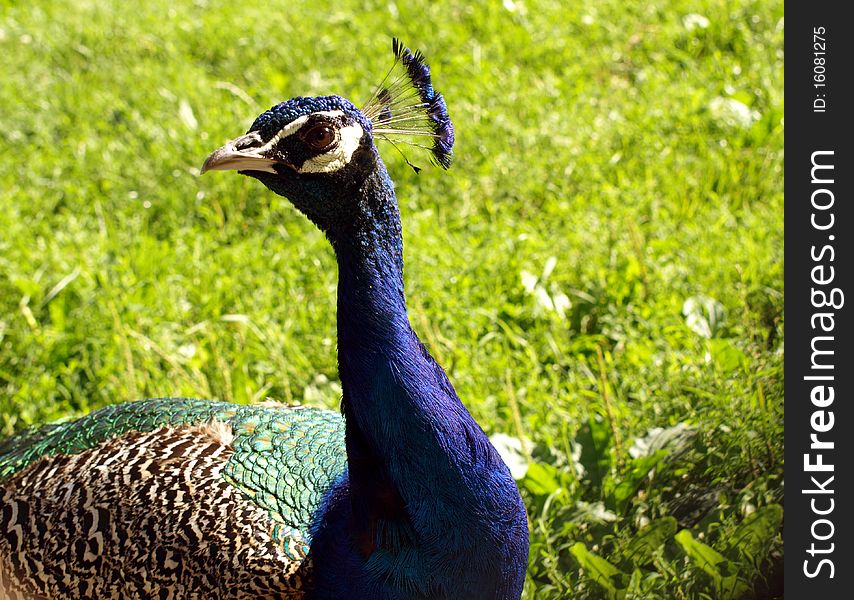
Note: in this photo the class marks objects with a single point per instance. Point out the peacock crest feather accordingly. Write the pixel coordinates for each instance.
(405, 107)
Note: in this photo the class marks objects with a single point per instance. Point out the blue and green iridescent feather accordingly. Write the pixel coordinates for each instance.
(284, 458)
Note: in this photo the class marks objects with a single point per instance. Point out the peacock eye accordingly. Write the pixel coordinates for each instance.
(319, 136)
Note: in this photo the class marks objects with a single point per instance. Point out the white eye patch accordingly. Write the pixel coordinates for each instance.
(339, 156)
(333, 160)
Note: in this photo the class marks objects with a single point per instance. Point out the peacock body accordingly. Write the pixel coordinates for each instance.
(400, 497)
(174, 497)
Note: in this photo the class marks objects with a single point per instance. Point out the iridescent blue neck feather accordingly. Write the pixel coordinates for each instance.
(428, 509)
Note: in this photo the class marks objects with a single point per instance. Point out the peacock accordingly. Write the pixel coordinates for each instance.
(398, 496)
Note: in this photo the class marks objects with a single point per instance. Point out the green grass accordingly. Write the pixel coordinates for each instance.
(613, 161)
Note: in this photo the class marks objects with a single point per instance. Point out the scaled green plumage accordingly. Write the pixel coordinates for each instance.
(284, 457)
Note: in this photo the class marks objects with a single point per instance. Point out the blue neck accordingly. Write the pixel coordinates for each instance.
(371, 305)
(428, 508)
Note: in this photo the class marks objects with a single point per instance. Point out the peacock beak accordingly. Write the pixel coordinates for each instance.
(242, 154)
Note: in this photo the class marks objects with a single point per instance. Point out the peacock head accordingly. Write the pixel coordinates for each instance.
(318, 151)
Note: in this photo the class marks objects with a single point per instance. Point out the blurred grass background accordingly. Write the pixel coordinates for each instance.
(601, 272)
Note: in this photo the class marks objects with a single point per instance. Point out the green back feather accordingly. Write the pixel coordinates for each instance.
(284, 458)
(71, 437)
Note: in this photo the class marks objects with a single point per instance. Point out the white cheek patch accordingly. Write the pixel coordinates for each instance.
(339, 157)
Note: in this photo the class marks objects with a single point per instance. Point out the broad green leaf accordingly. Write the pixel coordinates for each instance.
(726, 355)
(541, 479)
(722, 571)
(705, 557)
(601, 571)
